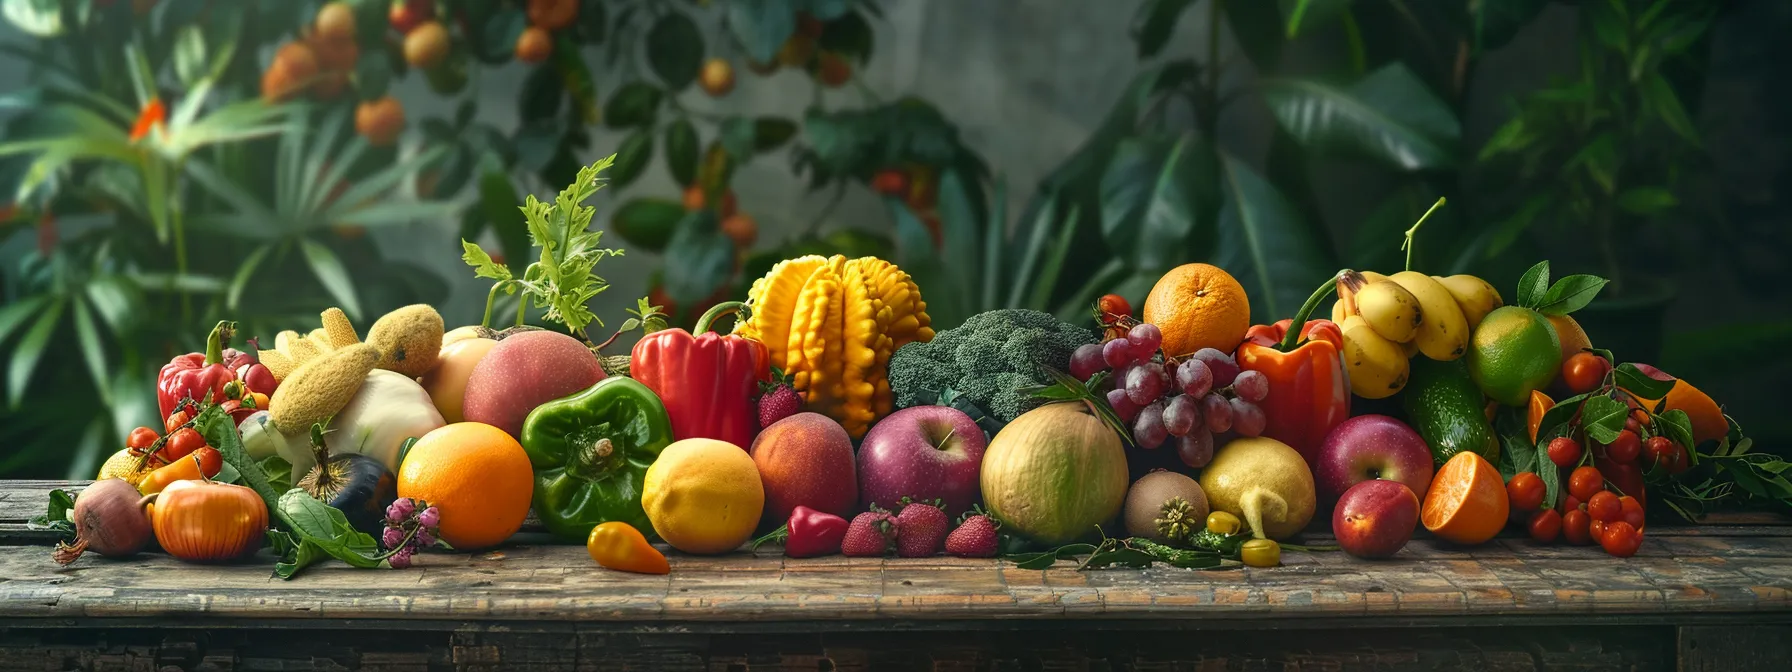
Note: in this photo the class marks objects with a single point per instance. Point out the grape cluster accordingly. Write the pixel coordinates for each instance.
(411, 526)
(1188, 401)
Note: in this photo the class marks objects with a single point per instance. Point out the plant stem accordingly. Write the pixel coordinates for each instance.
(1306, 309)
(1407, 243)
(490, 298)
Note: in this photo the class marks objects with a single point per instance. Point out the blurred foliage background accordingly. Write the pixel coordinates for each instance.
(167, 163)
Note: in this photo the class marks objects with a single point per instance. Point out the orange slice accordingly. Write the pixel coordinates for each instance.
(1540, 404)
(1466, 503)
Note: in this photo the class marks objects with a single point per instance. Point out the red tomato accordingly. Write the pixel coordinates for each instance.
(1625, 448)
(1584, 371)
(1621, 540)
(1525, 491)
(1572, 503)
(174, 421)
(141, 438)
(202, 521)
(181, 444)
(1576, 527)
(1584, 482)
(1546, 525)
(1596, 531)
(1667, 454)
(1563, 451)
(1604, 506)
(1630, 511)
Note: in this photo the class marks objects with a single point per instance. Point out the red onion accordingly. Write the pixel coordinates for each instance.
(107, 521)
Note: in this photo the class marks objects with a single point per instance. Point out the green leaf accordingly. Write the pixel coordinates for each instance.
(244, 273)
(770, 133)
(542, 96)
(1153, 23)
(681, 151)
(1257, 28)
(1534, 285)
(483, 266)
(1512, 136)
(1647, 200)
(1632, 379)
(335, 278)
(1264, 243)
(848, 35)
(1548, 472)
(321, 531)
(1310, 13)
(1493, 23)
(13, 316)
(189, 53)
(632, 157)
(647, 223)
(1603, 417)
(93, 351)
(373, 74)
(1152, 195)
(634, 104)
(219, 430)
(1676, 425)
(1660, 96)
(699, 258)
(1390, 116)
(498, 33)
(675, 50)
(38, 18)
(1570, 294)
(761, 27)
(501, 207)
(30, 351)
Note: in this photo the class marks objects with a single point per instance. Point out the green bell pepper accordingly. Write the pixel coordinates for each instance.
(590, 452)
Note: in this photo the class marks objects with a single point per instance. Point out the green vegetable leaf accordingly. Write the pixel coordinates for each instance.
(1534, 285)
(1631, 378)
(1603, 417)
(1570, 294)
(482, 263)
(55, 517)
(1045, 559)
(277, 471)
(321, 531)
(1676, 425)
(219, 430)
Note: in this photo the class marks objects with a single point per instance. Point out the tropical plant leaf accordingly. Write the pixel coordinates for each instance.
(1493, 23)
(761, 27)
(30, 350)
(335, 278)
(705, 258)
(1264, 243)
(675, 49)
(93, 350)
(1310, 14)
(1389, 116)
(1154, 195)
(1153, 23)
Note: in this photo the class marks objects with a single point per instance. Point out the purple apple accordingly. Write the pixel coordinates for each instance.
(924, 453)
(1370, 447)
(1375, 518)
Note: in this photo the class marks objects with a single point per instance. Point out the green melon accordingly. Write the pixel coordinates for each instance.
(1055, 473)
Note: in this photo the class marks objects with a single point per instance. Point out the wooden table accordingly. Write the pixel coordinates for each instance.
(1709, 597)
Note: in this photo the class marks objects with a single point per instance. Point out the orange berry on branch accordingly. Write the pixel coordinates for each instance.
(405, 15)
(553, 14)
(832, 70)
(380, 121)
(535, 45)
(427, 45)
(741, 229)
(716, 77)
(294, 66)
(336, 21)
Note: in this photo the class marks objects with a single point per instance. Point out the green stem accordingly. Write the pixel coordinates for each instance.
(491, 297)
(1407, 244)
(214, 343)
(522, 307)
(778, 536)
(1306, 309)
(727, 307)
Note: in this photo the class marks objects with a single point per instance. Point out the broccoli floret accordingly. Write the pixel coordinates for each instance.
(993, 360)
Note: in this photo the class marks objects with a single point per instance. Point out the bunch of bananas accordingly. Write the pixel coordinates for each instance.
(1386, 319)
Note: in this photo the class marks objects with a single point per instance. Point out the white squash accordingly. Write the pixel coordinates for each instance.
(389, 408)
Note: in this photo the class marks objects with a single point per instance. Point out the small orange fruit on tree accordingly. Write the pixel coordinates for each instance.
(336, 21)
(380, 121)
(534, 45)
(426, 46)
(716, 77)
(553, 14)
(832, 70)
(741, 229)
(294, 66)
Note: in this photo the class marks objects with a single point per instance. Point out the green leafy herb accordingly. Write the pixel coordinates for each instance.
(320, 531)
(561, 282)
(55, 518)
(1071, 389)
(1677, 426)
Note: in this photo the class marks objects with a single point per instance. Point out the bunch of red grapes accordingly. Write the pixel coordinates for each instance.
(1164, 400)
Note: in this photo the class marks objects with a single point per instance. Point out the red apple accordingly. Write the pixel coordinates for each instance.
(1375, 518)
(1369, 447)
(923, 452)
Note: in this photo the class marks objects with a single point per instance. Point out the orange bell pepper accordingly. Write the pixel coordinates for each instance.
(1308, 392)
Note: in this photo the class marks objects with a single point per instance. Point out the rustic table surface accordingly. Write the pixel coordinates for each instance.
(1716, 596)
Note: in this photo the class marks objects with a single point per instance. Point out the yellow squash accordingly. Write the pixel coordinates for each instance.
(831, 324)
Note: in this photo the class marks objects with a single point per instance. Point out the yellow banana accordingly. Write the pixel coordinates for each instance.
(1391, 310)
(1443, 335)
(1377, 367)
(1473, 295)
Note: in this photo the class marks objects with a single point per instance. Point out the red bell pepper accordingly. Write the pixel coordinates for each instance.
(250, 370)
(198, 376)
(809, 534)
(707, 381)
(1308, 391)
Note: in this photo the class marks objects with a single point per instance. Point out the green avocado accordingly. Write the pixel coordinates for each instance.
(1446, 408)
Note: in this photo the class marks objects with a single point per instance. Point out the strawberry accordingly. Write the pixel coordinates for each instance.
(870, 534)
(779, 400)
(974, 538)
(920, 527)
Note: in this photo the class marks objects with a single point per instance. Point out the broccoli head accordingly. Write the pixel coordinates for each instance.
(992, 360)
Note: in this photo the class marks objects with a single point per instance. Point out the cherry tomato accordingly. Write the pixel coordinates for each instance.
(1546, 525)
(1604, 506)
(1625, 448)
(181, 444)
(1630, 511)
(1596, 531)
(1584, 371)
(1572, 503)
(1260, 553)
(1584, 482)
(1631, 424)
(175, 420)
(618, 545)
(1575, 527)
(1666, 454)
(141, 438)
(1621, 539)
(890, 181)
(1113, 304)
(1525, 491)
(1563, 451)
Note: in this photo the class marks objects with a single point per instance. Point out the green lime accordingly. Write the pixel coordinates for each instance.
(1512, 352)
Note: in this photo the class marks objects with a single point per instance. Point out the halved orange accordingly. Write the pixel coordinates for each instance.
(1466, 503)
(1540, 404)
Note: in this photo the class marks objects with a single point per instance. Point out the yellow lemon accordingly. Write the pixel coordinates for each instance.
(703, 496)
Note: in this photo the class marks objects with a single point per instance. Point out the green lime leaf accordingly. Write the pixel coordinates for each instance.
(634, 104)
(1603, 417)
(632, 157)
(1633, 380)
(1676, 425)
(1534, 285)
(1571, 294)
(681, 151)
(675, 50)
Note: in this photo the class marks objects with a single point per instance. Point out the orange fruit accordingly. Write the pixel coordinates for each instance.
(1708, 421)
(427, 45)
(553, 14)
(535, 45)
(716, 77)
(1198, 306)
(295, 64)
(1540, 404)
(380, 121)
(336, 21)
(477, 476)
(1574, 339)
(741, 229)
(1467, 501)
